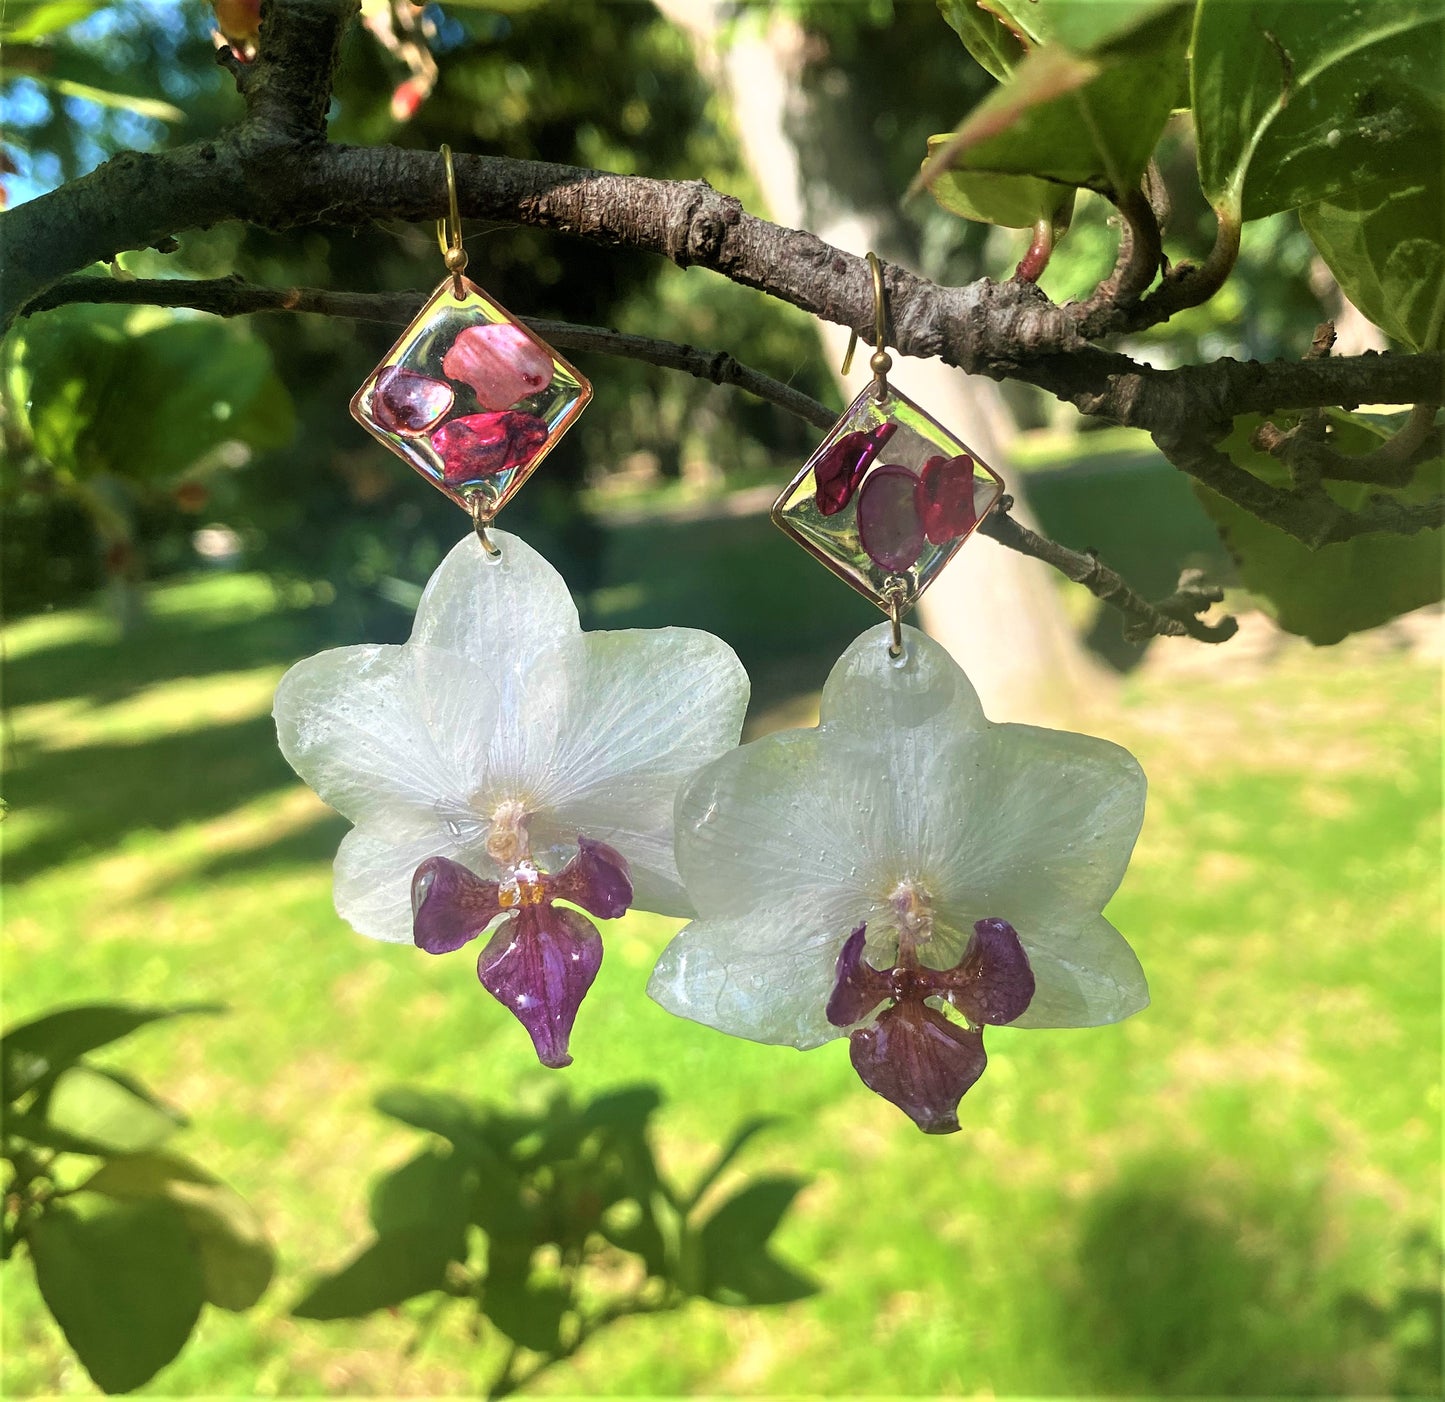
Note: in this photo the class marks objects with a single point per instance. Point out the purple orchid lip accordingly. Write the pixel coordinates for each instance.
(542, 960)
(910, 1053)
(539, 965)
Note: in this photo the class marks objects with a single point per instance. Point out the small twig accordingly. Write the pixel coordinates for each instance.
(232, 296)
(1140, 253)
(1307, 512)
(1189, 284)
(1176, 616)
(1307, 452)
(1040, 250)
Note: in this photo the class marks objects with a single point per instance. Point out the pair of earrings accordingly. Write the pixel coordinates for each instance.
(906, 873)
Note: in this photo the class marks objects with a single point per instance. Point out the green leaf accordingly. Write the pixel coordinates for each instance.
(123, 1283)
(999, 45)
(1009, 201)
(150, 107)
(1297, 102)
(737, 1268)
(31, 1052)
(394, 1268)
(1084, 120)
(429, 1190)
(96, 1107)
(111, 391)
(1086, 26)
(1326, 594)
(1385, 244)
(237, 1259)
(28, 20)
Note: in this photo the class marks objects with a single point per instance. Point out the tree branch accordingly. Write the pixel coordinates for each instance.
(233, 296)
(273, 170)
(1177, 616)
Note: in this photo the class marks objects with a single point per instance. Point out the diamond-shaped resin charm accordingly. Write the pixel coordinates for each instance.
(887, 498)
(470, 398)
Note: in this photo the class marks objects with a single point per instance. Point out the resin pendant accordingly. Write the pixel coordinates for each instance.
(888, 497)
(470, 398)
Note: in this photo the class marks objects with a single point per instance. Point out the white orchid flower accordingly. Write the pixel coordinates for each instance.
(910, 853)
(502, 759)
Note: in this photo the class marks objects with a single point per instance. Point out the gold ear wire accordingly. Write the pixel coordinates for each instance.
(881, 362)
(449, 229)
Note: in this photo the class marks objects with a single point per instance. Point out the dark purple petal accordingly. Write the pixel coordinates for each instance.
(480, 445)
(449, 905)
(858, 987)
(993, 982)
(923, 1063)
(539, 965)
(405, 402)
(837, 473)
(888, 524)
(597, 878)
(945, 498)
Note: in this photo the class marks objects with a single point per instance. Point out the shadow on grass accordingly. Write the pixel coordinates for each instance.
(1184, 1285)
(314, 844)
(96, 794)
(163, 648)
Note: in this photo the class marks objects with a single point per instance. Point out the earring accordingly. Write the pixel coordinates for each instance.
(907, 872)
(501, 760)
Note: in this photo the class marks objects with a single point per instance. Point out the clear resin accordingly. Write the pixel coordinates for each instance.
(471, 398)
(888, 497)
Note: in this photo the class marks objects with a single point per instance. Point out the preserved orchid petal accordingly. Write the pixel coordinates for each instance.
(993, 982)
(597, 879)
(888, 524)
(858, 987)
(539, 965)
(840, 469)
(450, 905)
(791, 842)
(945, 498)
(919, 1060)
(405, 402)
(501, 363)
(480, 445)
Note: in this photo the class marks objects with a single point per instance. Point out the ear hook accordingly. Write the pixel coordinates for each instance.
(881, 362)
(449, 238)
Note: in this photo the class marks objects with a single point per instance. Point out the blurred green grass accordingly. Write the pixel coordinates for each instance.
(1236, 1192)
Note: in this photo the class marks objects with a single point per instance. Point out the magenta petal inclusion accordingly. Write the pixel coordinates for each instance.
(945, 498)
(888, 524)
(404, 402)
(837, 473)
(539, 965)
(481, 445)
(501, 363)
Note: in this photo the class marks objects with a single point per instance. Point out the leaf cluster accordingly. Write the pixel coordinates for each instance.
(554, 1224)
(128, 1239)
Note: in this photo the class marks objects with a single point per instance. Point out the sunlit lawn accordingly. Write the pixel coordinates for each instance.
(1236, 1192)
